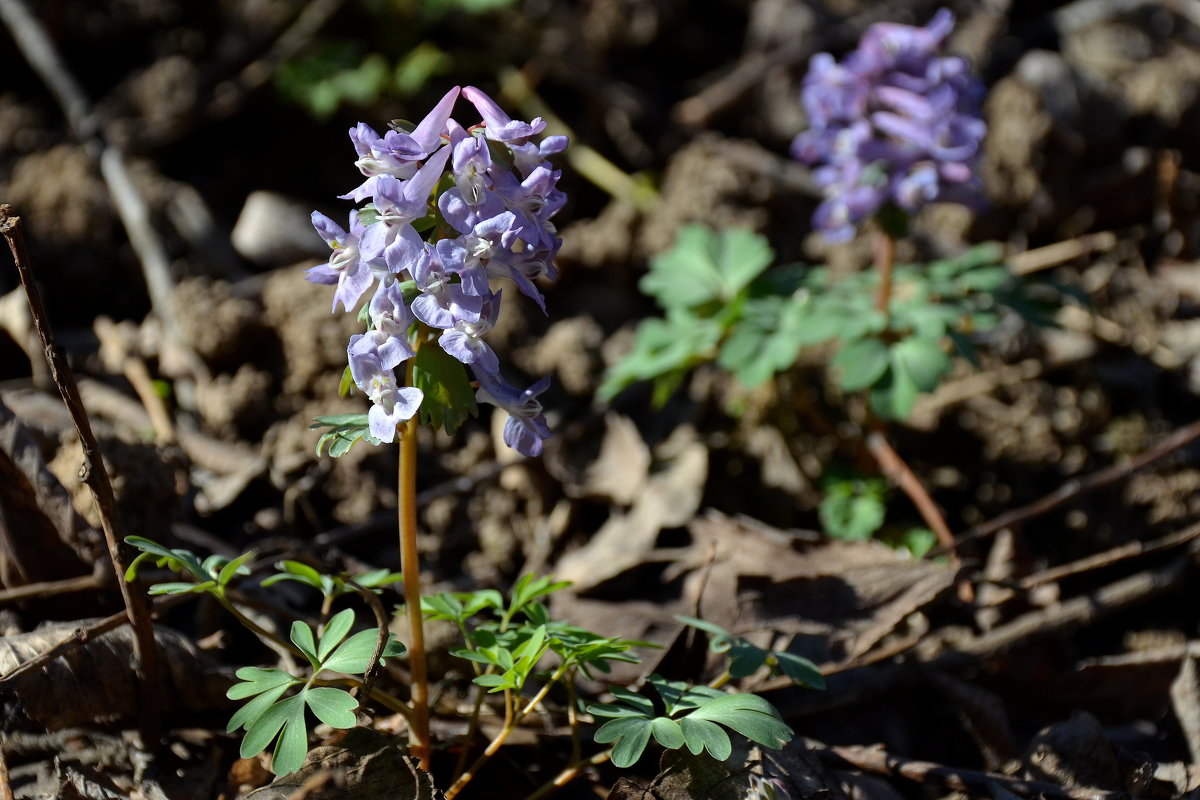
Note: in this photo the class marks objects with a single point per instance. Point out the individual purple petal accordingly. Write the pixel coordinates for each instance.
(322, 273)
(396, 405)
(526, 426)
(428, 132)
(464, 216)
(469, 350)
(465, 341)
(498, 125)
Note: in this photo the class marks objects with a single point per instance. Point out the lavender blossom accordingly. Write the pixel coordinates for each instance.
(345, 267)
(433, 247)
(892, 123)
(526, 426)
(391, 404)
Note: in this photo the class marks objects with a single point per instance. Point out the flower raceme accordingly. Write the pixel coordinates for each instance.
(447, 211)
(892, 123)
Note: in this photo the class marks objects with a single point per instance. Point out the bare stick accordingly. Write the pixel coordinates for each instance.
(80, 583)
(79, 636)
(381, 622)
(877, 760)
(894, 467)
(1109, 557)
(94, 475)
(1078, 487)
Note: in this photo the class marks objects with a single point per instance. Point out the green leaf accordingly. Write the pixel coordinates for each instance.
(894, 396)
(131, 572)
(346, 384)
(701, 734)
(851, 517)
(334, 707)
(234, 567)
(918, 541)
(176, 587)
(262, 730)
(346, 429)
(704, 265)
(449, 398)
(802, 671)
(631, 737)
(667, 733)
(293, 741)
(661, 349)
(749, 715)
(338, 420)
(295, 571)
(923, 360)
(251, 711)
(335, 630)
(611, 710)
(764, 340)
(862, 362)
(256, 680)
(495, 682)
(354, 654)
(745, 659)
(302, 637)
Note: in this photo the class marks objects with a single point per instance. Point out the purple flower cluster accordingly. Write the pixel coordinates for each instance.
(892, 123)
(490, 221)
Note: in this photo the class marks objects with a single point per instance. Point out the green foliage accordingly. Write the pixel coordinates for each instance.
(270, 716)
(721, 303)
(695, 717)
(854, 506)
(211, 575)
(449, 398)
(745, 658)
(330, 585)
(701, 282)
(344, 431)
(505, 641)
(334, 73)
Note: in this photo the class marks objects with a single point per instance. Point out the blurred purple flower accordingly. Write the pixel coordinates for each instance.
(893, 122)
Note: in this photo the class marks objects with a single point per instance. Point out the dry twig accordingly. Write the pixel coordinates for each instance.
(1077, 487)
(93, 474)
(879, 761)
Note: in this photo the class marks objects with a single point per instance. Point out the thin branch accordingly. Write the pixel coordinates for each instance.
(80, 583)
(381, 622)
(881, 762)
(79, 636)
(93, 474)
(1077, 487)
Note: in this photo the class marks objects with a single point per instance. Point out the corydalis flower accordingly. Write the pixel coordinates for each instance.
(525, 427)
(893, 122)
(391, 404)
(448, 210)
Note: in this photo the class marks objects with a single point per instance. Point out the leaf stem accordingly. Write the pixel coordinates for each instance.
(512, 718)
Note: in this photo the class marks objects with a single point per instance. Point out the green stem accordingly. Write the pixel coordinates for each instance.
(259, 630)
(512, 718)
